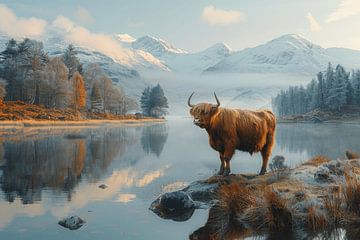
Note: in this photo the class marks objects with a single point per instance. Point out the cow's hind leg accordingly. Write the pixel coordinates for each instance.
(266, 152)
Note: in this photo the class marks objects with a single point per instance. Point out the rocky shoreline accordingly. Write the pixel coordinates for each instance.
(313, 199)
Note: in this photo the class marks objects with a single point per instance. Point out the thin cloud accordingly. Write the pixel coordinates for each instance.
(81, 36)
(345, 9)
(14, 26)
(221, 17)
(83, 15)
(314, 25)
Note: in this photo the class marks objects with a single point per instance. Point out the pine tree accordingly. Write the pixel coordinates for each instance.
(145, 101)
(321, 90)
(338, 93)
(78, 91)
(312, 95)
(8, 70)
(71, 61)
(355, 81)
(158, 101)
(329, 80)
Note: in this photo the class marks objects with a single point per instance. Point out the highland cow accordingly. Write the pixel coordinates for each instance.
(230, 129)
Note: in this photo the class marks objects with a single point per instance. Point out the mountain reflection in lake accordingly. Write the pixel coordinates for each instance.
(49, 173)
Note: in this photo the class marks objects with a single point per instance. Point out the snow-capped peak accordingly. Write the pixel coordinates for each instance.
(156, 46)
(295, 41)
(126, 38)
(218, 49)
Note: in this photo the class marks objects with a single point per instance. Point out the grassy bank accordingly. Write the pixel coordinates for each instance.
(23, 114)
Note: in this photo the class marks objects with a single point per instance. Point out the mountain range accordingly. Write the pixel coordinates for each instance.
(133, 60)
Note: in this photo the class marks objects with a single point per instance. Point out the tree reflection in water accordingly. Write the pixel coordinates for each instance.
(153, 138)
(58, 163)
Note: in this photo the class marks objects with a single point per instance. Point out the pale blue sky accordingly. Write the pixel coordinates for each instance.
(238, 23)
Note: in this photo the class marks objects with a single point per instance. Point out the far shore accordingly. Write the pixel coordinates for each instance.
(78, 123)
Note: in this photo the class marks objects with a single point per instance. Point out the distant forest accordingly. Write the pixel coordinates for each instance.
(330, 90)
(28, 74)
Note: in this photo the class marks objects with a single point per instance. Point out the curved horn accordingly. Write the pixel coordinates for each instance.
(217, 100)
(190, 105)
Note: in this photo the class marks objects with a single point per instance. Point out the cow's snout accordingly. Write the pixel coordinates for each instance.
(197, 121)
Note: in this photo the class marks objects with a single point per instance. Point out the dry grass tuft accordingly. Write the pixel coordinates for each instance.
(316, 161)
(316, 221)
(351, 193)
(269, 214)
(332, 205)
(351, 155)
(235, 197)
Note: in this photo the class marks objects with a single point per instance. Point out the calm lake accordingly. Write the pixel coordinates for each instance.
(50, 173)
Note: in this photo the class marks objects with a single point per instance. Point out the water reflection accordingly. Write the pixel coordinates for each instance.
(330, 140)
(55, 172)
(60, 162)
(153, 139)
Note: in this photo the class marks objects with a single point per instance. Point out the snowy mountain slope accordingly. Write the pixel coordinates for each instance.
(179, 60)
(197, 62)
(288, 53)
(347, 57)
(156, 46)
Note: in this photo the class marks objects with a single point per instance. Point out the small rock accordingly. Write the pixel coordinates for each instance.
(103, 186)
(323, 175)
(177, 206)
(72, 222)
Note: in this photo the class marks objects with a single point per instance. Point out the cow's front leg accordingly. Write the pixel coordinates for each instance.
(222, 166)
(229, 152)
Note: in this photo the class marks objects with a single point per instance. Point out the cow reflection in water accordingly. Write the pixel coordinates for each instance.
(57, 163)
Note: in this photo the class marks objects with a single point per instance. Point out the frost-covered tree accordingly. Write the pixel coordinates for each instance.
(72, 61)
(158, 101)
(59, 84)
(355, 81)
(331, 90)
(95, 98)
(106, 87)
(329, 79)
(92, 74)
(145, 101)
(2, 89)
(9, 68)
(337, 94)
(33, 60)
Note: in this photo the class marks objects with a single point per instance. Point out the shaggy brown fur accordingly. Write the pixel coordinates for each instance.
(230, 129)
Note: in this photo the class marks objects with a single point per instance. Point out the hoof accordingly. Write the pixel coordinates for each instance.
(226, 172)
(220, 172)
(262, 172)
